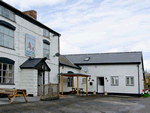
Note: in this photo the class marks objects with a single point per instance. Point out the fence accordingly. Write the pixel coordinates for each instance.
(49, 91)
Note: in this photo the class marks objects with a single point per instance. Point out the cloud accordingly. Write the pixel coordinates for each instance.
(97, 26)
(27, 4)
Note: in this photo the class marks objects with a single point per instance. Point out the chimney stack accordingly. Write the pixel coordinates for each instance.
(31, 13)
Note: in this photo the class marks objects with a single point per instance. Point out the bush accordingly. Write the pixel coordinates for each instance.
(145, 95)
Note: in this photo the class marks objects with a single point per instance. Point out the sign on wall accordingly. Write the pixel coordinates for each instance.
(30, 45)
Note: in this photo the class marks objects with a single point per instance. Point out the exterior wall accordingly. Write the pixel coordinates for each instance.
(17, 54)
(28, 80)
(107, 71)
(141, 78)
(65, 69)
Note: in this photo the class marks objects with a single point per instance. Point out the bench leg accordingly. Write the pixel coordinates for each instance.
(25, 96)
(13, 99)
(8, 97)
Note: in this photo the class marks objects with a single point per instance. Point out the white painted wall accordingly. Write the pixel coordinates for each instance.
(65, 69)
(111, 70)
(24, 27)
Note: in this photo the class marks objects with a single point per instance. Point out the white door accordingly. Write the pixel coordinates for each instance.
(40, 80)
(100, 84)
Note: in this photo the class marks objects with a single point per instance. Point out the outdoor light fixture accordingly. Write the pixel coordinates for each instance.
(56, 55)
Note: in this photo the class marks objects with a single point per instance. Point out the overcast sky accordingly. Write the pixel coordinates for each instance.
(95, 26)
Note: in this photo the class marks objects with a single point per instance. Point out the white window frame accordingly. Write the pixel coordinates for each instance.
(8, 72)
(3, 12)
(84, 80)
(129, 80)
(115, 78)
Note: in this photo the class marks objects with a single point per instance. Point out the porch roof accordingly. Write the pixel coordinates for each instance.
(74, 74)
(35, 63)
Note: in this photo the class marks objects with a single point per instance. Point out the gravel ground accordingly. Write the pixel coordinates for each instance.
(90, 104)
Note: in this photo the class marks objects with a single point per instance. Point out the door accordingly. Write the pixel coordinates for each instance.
(100, 84)
(41, 80)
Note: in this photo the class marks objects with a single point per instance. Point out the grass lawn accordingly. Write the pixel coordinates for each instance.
(145, 95)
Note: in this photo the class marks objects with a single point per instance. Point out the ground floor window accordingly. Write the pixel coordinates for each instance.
(83, 80)
(130, 81)
(69, 81)
(114, 80)
(6, 73)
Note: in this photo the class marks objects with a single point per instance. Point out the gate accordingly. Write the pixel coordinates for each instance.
(49, 91)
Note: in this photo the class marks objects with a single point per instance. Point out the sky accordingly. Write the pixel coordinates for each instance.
(95, 26)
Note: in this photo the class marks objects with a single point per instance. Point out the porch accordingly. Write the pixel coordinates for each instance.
(74, 75)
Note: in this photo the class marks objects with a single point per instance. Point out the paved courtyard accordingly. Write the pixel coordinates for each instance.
(73, 104)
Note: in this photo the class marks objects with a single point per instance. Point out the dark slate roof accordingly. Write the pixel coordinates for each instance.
(66, 62)
(106, 58)
(35, 63)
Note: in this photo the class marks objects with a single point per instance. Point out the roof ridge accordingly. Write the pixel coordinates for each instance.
(102, 53)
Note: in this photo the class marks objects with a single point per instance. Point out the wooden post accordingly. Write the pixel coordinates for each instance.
(86, 85)
(77, 85)
(62, 84)
(72, 84)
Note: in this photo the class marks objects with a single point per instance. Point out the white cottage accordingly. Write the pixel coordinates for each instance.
(114, 73)
(28, 50)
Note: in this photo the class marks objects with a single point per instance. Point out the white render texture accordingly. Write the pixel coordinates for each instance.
(26, 78)
(122, 71)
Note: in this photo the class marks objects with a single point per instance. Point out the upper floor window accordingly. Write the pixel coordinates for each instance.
(46, 48)
(6, 37)
(7, 13)
(46, 33)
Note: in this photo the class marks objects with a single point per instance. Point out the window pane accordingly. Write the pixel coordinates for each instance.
(6, 14)
(11, 42)
(10, 68)
(112, 79)
(5, 74)
(83, 80)
(116, 80)
(0, 79)
(4, 67)
(131, 80)
(0, 73)
(6, 31)
(1, 29)
(0, 66)
(127, 80)
(11, 74)
(11, 33)
(0, 10)
(1, 39)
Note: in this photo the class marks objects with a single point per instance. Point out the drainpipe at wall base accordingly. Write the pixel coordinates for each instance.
(138, 80)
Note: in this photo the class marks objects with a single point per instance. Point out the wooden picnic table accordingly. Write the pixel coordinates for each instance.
(14, 93)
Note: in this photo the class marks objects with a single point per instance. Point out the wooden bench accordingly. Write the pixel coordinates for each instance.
(13, 93)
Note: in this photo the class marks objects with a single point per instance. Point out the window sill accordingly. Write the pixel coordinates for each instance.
(7, 47)
(129, 85)
(114, 84)
(7, 84)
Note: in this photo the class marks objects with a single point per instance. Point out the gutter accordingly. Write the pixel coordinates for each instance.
(138, 80)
